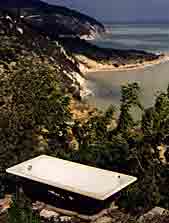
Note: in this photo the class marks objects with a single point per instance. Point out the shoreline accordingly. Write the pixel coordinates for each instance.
(92, 66)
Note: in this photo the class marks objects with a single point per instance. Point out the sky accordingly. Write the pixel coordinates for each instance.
(120, 10)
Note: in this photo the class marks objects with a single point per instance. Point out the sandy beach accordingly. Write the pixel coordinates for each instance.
(87, 65)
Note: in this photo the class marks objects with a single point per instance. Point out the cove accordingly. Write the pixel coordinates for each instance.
(106, 85)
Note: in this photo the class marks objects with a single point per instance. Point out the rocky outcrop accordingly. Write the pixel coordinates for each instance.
(51, 214)
(157, 215)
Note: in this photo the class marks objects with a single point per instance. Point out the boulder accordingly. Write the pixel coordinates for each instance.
(38, 206)
(65, 219)
(49, 215)
(157, 211)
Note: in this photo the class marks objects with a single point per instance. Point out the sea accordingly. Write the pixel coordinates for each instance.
(106, 86)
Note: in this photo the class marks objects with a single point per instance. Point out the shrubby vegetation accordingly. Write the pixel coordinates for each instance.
(130, 147)
(21, 212)
(34, 111)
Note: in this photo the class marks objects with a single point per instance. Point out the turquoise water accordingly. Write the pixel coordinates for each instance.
(152, 79)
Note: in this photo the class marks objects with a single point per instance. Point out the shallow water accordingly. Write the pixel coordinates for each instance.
(106, 85)
(149, 37)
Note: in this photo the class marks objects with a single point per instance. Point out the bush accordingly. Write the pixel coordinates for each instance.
(34, 111)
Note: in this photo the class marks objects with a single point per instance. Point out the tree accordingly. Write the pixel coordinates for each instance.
(129, 98)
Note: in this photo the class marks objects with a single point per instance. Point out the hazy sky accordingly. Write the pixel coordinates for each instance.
(113, 10)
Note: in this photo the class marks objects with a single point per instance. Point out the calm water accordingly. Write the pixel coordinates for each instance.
(106, 85)
(151, 37)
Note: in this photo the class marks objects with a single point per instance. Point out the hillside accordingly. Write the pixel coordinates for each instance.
(56, 20)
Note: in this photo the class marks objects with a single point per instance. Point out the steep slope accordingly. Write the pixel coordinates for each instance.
(26, 39)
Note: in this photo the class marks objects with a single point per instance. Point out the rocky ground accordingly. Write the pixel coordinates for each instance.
(110, 215)
(50, 214)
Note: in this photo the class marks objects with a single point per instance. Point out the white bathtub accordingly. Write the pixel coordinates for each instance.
(85, 180)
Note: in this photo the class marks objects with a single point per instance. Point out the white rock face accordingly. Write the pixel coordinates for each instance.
(77, 78)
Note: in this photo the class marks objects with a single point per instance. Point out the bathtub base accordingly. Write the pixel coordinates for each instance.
(64, 200)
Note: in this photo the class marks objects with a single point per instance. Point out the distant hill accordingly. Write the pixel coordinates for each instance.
(55, 19)
(47, 8)
(61, 20)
